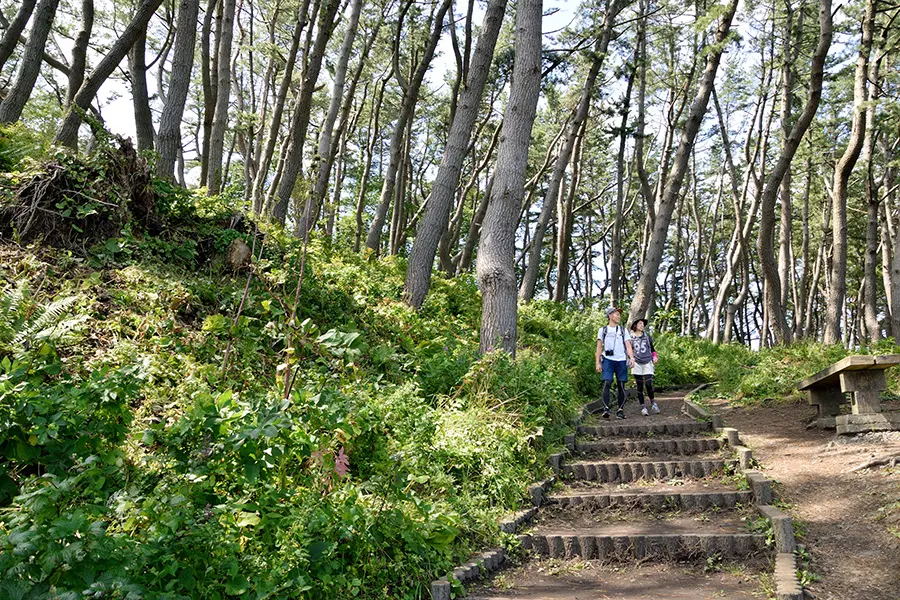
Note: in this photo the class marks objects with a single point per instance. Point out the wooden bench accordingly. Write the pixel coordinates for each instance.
(861, 376)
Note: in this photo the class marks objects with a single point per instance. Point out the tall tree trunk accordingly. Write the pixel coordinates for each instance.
(407, 107)
(14, 30)
(30, 64)
(649, 270)
(765, 241)
(223, 99)
(565, 216)
(421, 258)
(265, 162)
(873, 204)
(788, 57)
(169, 137)
(367, 168)
(323, 161)
(79, 50)
(143, 119)
(529, 279)
(615, 260)
(496, 251)
(472, 237)
(302, 107)
(208, 81)
(842, 170)
(67, 134)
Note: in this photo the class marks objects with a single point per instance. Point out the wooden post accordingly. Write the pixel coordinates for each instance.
(828, 400)
(866, 387)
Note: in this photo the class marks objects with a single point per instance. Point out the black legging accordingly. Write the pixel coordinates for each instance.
(620, 393)
(643, 380)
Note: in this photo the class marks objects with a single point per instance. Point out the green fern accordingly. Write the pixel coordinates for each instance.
(23, 327)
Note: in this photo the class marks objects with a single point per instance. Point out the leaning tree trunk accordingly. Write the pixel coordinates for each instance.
(14, 30)
(223, 98)
(529, 279)
(67, 134)
(764, 243)
(30, 64)
(169, 136)
(565, 218)
(496, 252)
(322, 163)
(649, 270)
(79, 50)
(842, 170)
(207, 80)
(302, 107)
(434, 221)
(407, 107)
(143, 119)
(284, 86)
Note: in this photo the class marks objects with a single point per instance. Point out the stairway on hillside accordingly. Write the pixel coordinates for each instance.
(648, 507)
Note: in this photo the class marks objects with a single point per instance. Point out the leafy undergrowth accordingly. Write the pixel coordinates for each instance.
(749, 377)
(139, 462)
(148, 448)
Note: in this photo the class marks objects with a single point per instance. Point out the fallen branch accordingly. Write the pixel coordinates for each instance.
(887, 459)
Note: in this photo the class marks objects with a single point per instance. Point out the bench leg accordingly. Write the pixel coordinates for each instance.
(866, 387)
(827, 400)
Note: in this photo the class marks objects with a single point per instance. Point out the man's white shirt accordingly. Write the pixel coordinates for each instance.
(615, 338)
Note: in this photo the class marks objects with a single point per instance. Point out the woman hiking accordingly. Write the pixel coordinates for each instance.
(644, 358)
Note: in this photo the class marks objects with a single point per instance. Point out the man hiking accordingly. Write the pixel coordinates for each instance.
(644, 359)
(614, 356)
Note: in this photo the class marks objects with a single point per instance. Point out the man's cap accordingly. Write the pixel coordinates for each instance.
(636, 321)
(612, 309)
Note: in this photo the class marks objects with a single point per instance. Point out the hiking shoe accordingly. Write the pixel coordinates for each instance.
(620, 414)
(605, 414)
(645, 412)
(655, 408)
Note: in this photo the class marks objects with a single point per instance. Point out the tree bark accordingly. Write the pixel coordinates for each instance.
(208, 82)
(277, 112)
(223, 98)
(407, 107)
(302, 107)
(842, 170)
(615, 260)
(529, 279)
(764, 244)
(649, 270)
(14, 30)
(169, 137)
(323, 160)
(421, 259)
(565, 216)
(496, 251)
(367, 168)
(67, 134)
(872, 327)
(30, 64)
(143, 119)
(79, 50)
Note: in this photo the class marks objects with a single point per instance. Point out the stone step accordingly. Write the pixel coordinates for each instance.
(644, 546)
(674, 446)
(655, 500)
(625, 471)
(642, 429)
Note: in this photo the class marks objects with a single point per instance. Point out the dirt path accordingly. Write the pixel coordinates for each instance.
(853, 551)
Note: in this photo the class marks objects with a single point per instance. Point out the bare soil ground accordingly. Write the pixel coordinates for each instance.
(550, 579)
(853, 550)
